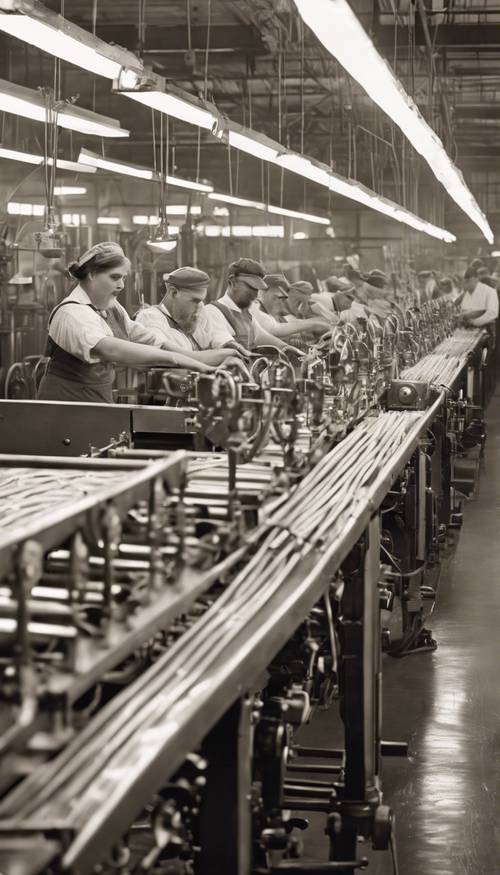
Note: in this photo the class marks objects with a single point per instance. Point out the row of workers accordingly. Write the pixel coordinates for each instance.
(90, 332)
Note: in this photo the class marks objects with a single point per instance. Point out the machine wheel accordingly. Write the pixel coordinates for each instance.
(382, 827)
(15, 382)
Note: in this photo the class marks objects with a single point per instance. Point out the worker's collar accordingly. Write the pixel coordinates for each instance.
(228, 302)
(79, 294)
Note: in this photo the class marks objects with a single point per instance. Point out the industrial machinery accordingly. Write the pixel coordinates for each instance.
(170, 620)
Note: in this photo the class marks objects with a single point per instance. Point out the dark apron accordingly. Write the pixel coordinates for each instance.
(68, 378)
(241, 322)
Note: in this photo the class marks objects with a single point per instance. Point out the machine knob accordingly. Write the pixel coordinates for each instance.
(406, 394)
(67, 442)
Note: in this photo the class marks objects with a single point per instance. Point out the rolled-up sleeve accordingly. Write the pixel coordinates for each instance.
(491, 311)
(77, 330)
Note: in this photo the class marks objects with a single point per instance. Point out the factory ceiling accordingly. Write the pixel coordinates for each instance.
(264, 70)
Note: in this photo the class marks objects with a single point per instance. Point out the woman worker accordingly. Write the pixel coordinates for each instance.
(89, 332)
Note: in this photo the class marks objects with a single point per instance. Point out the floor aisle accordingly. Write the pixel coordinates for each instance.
(447, 705)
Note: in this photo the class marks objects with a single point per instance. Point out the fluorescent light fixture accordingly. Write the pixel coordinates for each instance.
(339, 30)
(303, 166)
(87, 157)
(190, 184)
(22, 101)
(62, 45)
(112, 165)
(293, 214)
(18, 209)
(154, 92)
(29, 158)
(221, 212)
(496, 253)
(108, 220)
(62, 190)
(300, 235)
(251, 145)
(236, 201)
(258, 205)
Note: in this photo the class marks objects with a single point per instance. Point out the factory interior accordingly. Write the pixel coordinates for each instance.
(249, 437)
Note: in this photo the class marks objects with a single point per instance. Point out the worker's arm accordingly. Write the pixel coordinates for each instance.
(263, 338)
(295, 326)
(136, 355)
(467, 315)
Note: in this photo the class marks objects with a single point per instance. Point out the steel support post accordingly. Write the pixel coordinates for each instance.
(225, 816)
(360, 686)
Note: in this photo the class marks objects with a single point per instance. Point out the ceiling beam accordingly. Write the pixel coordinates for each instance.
(469, 36)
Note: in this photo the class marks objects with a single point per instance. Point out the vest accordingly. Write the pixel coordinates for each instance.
(93, 381)
(173, 324)
(241, 322)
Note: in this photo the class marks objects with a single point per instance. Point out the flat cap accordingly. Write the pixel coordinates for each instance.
(335, 284)
(189, 278)
(303, 287)
(377, 278)
(248, 270)
(424, 274)
(470, 273)
(279, 280)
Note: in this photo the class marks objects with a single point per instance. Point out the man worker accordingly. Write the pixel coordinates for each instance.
(270, 310)
(179, 320)
(233, 314)
(479, 303)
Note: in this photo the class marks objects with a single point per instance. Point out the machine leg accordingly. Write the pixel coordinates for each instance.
(357, 808)
(225, 817)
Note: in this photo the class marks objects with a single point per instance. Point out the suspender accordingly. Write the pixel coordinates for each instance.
(175, 325)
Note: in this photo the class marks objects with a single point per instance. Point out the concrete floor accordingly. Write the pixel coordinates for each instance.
(446, 796)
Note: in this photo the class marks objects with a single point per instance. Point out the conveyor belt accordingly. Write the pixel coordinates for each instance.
(445, 363)
(106, 775)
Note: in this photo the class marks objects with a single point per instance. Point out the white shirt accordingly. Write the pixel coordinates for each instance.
(265, 320)
(482, 298)
(322, 305)
(153, 319)
(78, 329)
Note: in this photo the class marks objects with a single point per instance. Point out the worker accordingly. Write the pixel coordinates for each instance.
(479, 304)
(269, 310)
(179, 319)
(426, 286)
(232, 313)
(298, 303)
(89, 332)
(338, 303)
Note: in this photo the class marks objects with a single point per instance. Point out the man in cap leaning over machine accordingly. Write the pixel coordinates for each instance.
(179, 319)
(232, 313)
(270, 310)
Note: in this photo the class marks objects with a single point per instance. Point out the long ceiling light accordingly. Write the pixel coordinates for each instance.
(153, 91)
(236, 201)
(31, 22)
(28, 158)
(339, 30)
(268, 208)
(89, 158)
(30, 104)
(293, 214)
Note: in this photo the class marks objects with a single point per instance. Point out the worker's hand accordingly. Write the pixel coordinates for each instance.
(232, 344)
(234, 361)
